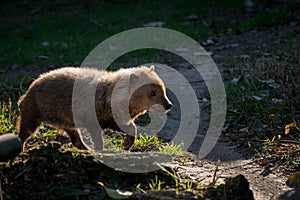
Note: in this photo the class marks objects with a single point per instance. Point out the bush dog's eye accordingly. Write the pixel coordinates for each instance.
(153, 94)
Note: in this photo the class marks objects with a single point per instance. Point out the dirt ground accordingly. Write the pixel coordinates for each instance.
(266, 182)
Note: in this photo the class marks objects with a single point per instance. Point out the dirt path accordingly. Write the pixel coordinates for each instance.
(248, 49)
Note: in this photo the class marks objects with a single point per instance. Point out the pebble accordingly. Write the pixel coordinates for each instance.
(155, 24)
(45, 44)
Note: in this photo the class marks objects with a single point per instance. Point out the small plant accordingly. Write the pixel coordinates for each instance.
(45, 131)
(180, 184)
(143, 141)
(7, 117)
(156, 184)
(188, 186)
(172, 149)
(113, 142)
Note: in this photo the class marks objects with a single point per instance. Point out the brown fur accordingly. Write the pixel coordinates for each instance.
(49, 100)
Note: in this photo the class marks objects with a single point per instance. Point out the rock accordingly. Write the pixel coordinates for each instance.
(294, 178)
(207, 42)
(235, 188)
(248, 4)
(192, 18)
(10, 147)
(45, 44)
(14, 67)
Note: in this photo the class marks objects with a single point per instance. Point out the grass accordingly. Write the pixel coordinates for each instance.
(7, 118)
(257, 103)
(260, 108)
(173, 149)
(145, 143)
(84, 26)
(262, 19)
(156, 184)
(34, 36)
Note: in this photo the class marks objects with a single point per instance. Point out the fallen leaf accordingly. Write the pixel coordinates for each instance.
(269, 81)
(263, 162)
(192, 18)
(274, 85)
(237, 80)
(289, 126)
(116, 193)
(294, 178)
(155, 24)
(257, 98)
(43, 57)
(207, 42)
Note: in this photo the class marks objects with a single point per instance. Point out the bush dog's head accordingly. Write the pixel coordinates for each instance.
(149, 92)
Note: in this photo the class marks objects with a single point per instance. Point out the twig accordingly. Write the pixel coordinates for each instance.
(1, 192)
(22, 172)
(240, 113)
(290, 141)
(286, 141)
(242, 165)
(22, 82)
(215, 178)
(165, 170)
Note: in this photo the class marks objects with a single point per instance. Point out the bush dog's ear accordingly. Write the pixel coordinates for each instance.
(152, 68)
(133, 77)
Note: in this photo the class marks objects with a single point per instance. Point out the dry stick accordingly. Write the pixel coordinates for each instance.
(177, 177)
(215, 174)
(21, 83)
(290, 141)
(22, 172)
(165, 170)
(1, 193)
(285, 141)
(242, 165)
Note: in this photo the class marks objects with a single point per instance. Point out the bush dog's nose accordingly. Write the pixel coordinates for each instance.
(169, 106)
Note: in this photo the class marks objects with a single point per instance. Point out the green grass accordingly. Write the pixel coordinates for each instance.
(156, 184)
(256, 102)
(7, 118)
(260, 105)
(263, 19)
(73, 28)
(173, 149)
(47, 132)
(145, 143)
